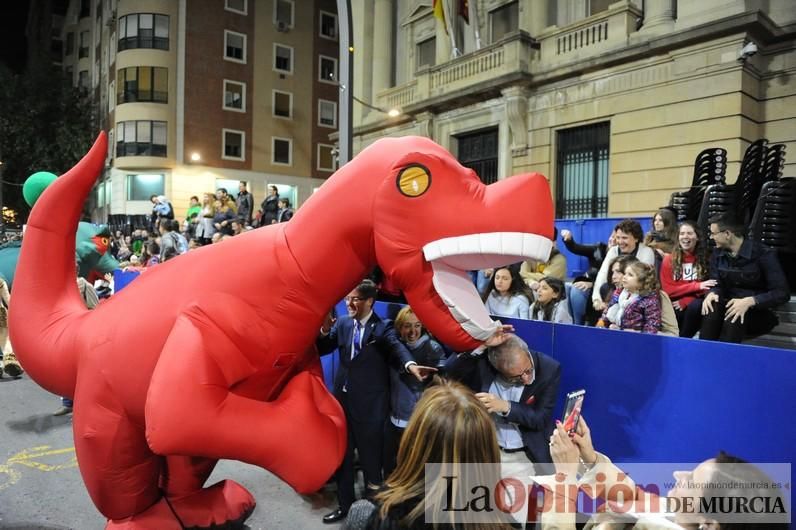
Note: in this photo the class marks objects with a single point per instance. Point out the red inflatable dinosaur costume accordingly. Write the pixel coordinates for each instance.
(176, 364)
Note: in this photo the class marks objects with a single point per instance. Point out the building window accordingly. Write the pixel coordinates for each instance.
(82, 80)
(234, 96)
(85, 8)
(427, 53)
(234, 143)
(142, 186)
(582, 171)
(236, 6)
(504, 20)
(283, 13)
(111, 99)
(142, 83)
(282, 104)
(326, 158)
(141, 138)
(327, 69)
(143, 30)
(83, 50)
(70, 44)
(328, 25)
(327, 113)
(479, 152)
(283, 58)
(281, 151)
(234, 46)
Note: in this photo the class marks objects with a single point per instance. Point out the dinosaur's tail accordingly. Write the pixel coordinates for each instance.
(45, 304)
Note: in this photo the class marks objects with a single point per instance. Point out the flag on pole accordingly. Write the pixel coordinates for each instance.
(439, 12)
(464, 10)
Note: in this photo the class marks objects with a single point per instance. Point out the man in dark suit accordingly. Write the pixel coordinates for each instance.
(366, 345)
(519, 388)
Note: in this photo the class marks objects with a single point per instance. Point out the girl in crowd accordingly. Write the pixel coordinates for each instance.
(663, 236)
(613, 291)
(449, 427)
(205, 228)
(550, 304)
(507, 295)
(684, 275)
(405, 390)
(638, 307)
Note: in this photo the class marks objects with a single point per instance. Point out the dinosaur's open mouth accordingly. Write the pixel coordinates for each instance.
(451, 259)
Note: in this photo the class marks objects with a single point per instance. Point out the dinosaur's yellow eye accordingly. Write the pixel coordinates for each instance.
(104, 240)
(414, 180)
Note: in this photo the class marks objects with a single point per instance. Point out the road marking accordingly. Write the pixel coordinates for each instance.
(11, 479)
(29, 458)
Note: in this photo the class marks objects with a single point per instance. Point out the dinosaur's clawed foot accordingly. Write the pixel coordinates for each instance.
(226, 504)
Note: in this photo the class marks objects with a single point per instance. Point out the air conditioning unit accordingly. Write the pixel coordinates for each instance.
(282, 26)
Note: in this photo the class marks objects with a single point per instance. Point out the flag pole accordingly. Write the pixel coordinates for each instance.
(473, 10)
(455, 52)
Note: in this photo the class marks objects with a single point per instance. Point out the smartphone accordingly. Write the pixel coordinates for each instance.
(573, 409)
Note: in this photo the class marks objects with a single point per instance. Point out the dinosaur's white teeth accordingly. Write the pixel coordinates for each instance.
(452, 257)
(487, 250)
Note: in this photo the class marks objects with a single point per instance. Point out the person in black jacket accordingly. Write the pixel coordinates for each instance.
(750, 282)
(405, 390)
(367, 346)
(519, 387)
(244, 203)
(270, 207)
(579, 291)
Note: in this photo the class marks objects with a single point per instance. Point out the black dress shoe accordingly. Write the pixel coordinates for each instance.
(337, 515)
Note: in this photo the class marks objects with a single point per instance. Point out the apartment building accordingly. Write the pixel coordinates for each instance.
(612, 101)
(201, 94)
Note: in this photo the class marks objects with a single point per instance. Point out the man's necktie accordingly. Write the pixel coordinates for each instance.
(357, 346)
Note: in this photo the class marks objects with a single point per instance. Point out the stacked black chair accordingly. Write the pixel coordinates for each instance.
(710, 167)
(774, 222)
(739, 197)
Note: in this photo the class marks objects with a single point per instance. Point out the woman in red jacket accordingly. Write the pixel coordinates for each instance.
(684, 275)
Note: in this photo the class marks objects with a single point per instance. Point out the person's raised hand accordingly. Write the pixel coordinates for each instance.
(582, 438)
(500, 335)
(328, 323)
(563, 450)
(566, 235)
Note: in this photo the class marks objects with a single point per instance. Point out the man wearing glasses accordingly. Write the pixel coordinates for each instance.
(750, 282)
(366, 345)
(519, 388)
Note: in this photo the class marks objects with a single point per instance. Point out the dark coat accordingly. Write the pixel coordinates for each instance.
(533, 414)
(366, 377)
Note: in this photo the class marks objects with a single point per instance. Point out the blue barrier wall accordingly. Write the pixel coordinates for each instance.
(588, 232)
(664, 399)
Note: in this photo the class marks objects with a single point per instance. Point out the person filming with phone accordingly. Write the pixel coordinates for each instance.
(519, 388)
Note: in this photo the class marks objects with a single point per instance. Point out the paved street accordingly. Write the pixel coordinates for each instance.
(40, 486)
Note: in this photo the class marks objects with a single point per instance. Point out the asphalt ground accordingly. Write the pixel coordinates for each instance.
(41, 488)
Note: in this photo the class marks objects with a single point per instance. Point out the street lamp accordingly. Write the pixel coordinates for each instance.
(195, 157)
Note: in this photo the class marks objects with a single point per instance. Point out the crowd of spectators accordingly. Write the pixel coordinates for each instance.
(671, 281)
(216, 218)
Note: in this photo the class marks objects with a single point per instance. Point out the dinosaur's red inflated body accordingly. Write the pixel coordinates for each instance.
(211, 354)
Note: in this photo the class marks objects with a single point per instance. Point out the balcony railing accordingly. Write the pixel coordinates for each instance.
(508, 56)
(591, 36)
(513, 57)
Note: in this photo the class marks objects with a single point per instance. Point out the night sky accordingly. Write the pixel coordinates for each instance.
(13, 15)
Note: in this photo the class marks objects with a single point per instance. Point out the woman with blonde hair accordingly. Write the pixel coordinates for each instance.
(449, 427)
(405, 389)
(205, 228)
